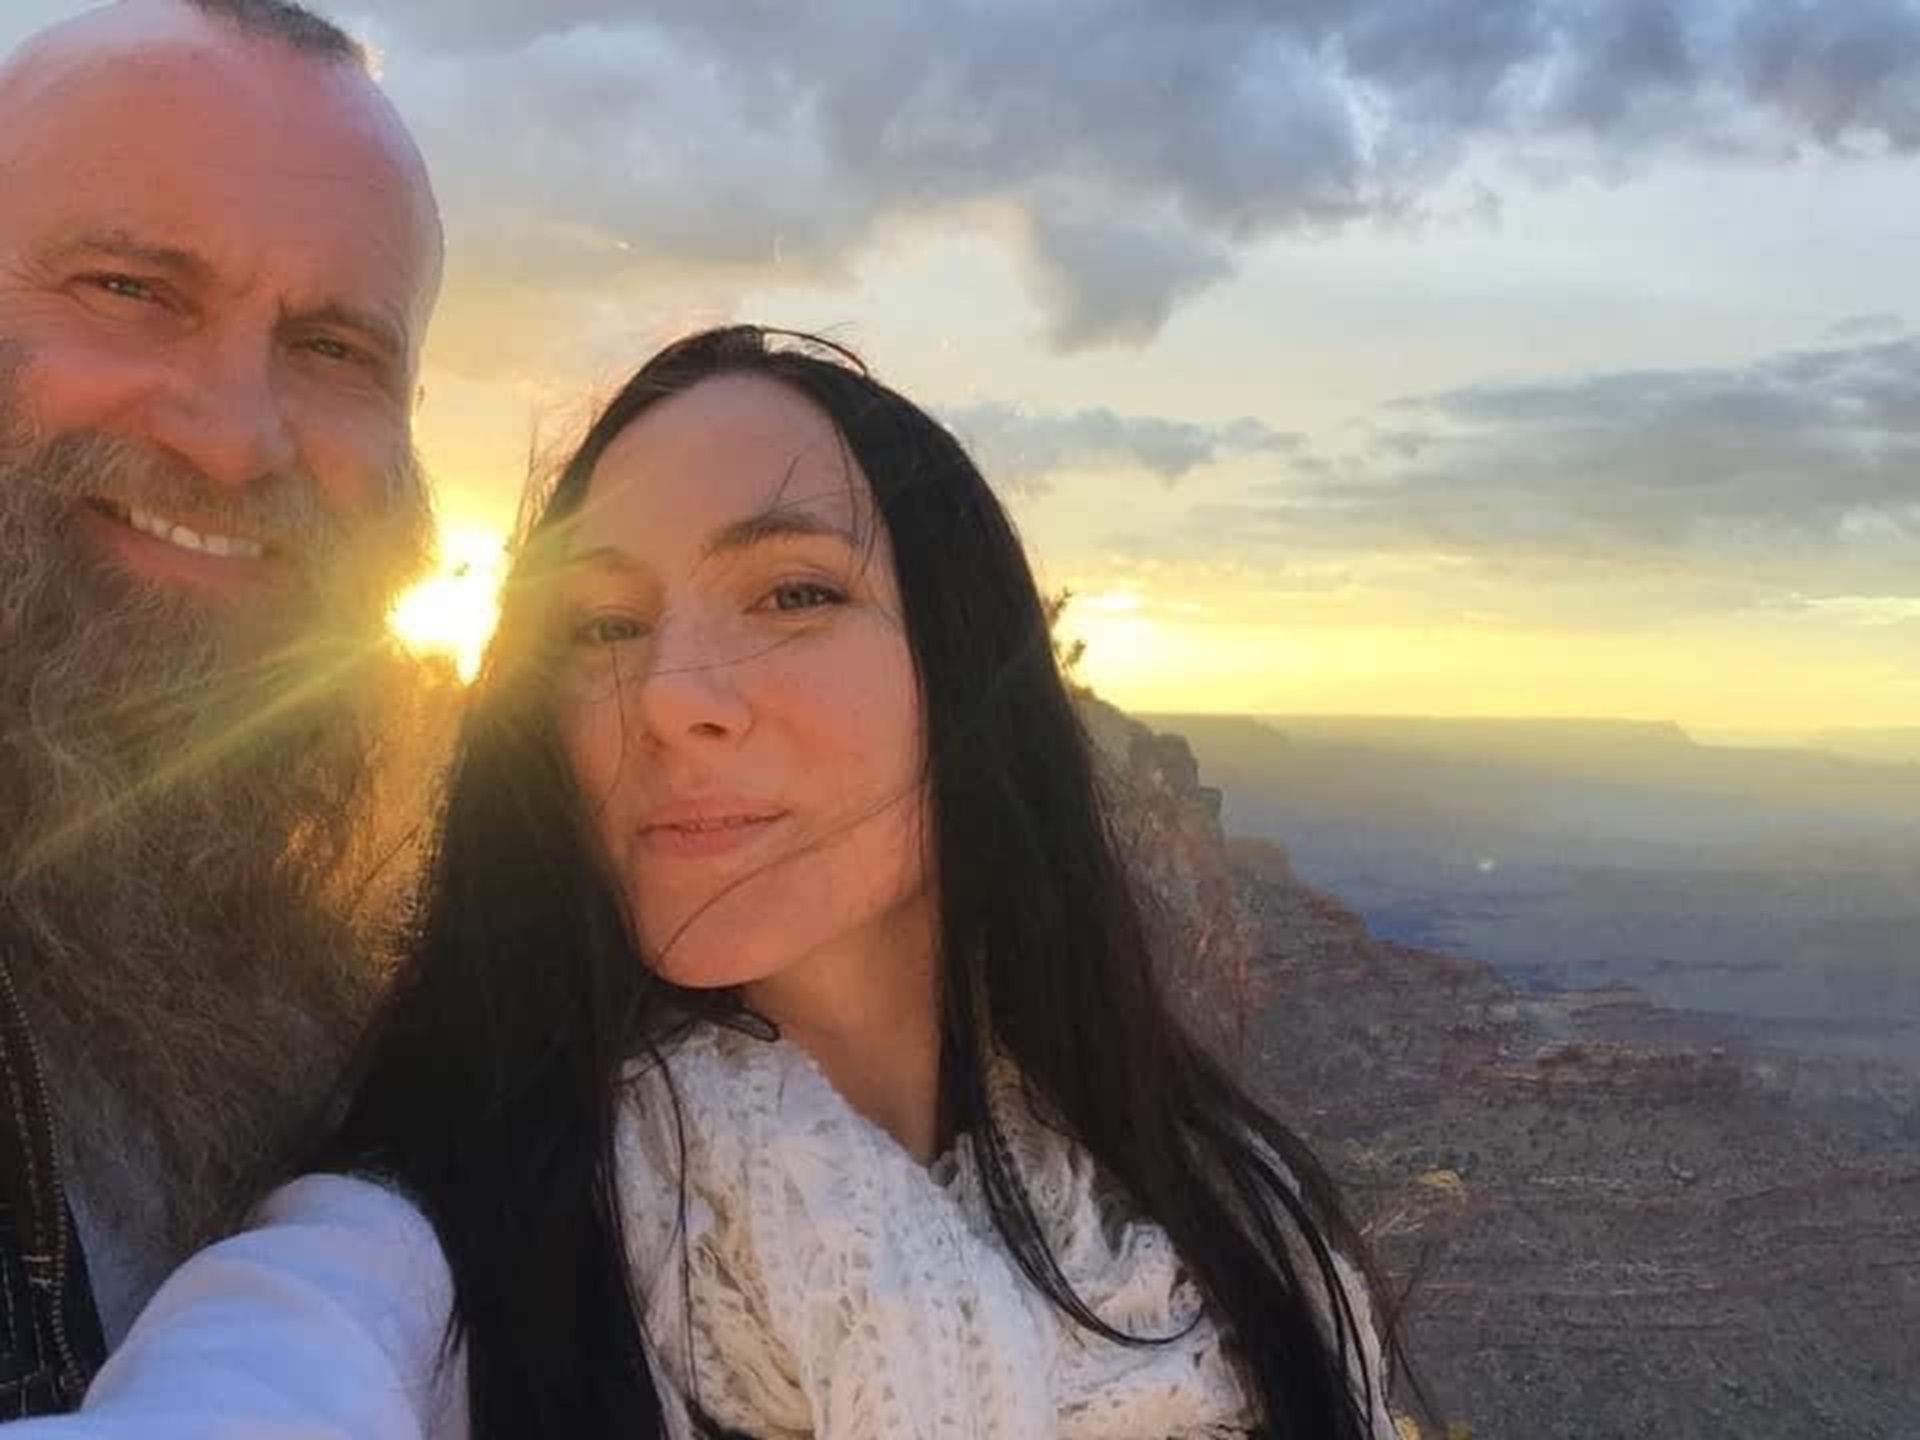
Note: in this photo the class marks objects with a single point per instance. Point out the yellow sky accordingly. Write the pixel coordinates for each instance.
(1327, 340)
(1669, 339)
(1383, 633)
(1714, 679)
(1195, 641)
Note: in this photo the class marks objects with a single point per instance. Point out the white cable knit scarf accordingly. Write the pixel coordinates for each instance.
(831, 1286)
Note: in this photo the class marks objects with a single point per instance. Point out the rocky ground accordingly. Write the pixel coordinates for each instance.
(1615, 1221)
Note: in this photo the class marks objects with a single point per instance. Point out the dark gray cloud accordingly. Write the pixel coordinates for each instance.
(1142, 143)
(1025, 449)
(1796, 476)
(1876, 325)
(1137, 146)
(1838, 73)
(1104, 281)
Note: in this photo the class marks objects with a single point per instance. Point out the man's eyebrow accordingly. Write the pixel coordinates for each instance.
(125, 245)
(191, 268)
(777, 524)
(383, 332)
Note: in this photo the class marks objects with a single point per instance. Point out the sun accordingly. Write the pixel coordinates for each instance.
(452, 612)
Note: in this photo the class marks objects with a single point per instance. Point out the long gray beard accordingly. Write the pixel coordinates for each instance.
(194, 884)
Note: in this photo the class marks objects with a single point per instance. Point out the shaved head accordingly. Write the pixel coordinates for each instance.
(229, 36)
(294, 26)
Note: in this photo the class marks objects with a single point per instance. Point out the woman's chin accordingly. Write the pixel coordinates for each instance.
(706, 942)
(699, 962)
(706, 978)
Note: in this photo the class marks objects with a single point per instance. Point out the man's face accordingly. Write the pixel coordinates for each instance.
(219, 254)
(216, 259)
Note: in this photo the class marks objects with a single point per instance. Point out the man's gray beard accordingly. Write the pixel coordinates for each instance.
(190, 876)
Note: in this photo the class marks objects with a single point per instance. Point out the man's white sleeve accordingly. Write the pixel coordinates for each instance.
(325, 1321)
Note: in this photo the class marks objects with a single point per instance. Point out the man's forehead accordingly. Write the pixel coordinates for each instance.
(136, 31)
(154, 84)
(176, 73)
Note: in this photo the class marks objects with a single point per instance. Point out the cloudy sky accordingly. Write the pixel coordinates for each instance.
(1420, 356)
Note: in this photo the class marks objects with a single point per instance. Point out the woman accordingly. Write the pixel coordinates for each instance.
(887, 1129)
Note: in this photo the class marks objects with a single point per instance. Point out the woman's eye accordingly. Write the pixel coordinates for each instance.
(608, 630)
(803, 595)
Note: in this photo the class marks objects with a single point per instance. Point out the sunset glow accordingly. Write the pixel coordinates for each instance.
(452, 612)
(1527, 429)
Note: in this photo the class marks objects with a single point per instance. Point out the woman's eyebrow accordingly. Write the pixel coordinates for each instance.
(776, 524)
(601, 557)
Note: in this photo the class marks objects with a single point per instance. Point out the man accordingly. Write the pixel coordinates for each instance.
(218, 252)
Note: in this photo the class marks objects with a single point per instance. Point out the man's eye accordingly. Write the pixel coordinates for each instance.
(126, 287)
(342, 352)
(803, 595)
(328, 348)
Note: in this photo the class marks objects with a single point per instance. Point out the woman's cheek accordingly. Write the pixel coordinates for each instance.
(595, 743)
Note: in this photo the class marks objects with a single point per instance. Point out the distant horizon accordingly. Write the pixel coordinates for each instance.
(1745, 738)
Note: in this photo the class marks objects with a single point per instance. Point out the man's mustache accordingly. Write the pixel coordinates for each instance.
(284, 512)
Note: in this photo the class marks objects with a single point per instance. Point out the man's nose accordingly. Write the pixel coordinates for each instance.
(223, 414)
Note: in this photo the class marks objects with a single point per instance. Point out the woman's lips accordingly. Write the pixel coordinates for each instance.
(701, 836)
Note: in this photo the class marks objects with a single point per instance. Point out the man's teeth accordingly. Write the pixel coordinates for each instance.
(226, 546)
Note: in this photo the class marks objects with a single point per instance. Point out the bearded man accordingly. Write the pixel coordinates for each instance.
(218, 252)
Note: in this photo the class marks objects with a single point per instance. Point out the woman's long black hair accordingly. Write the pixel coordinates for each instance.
(489, 1085)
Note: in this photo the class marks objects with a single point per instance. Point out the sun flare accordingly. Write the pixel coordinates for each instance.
(452, 612)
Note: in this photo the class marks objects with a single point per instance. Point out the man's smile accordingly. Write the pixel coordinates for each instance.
(162, 527)
(170, 551)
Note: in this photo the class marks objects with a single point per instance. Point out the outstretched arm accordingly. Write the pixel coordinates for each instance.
(325, 1321)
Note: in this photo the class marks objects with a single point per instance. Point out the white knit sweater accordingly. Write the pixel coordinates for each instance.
(827, 1284)
(823, 1284)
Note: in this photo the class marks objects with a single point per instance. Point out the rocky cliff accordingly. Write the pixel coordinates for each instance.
(1614, 1219)
(1169, 824)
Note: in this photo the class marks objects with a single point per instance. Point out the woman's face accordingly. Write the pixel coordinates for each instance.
(739, 703)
